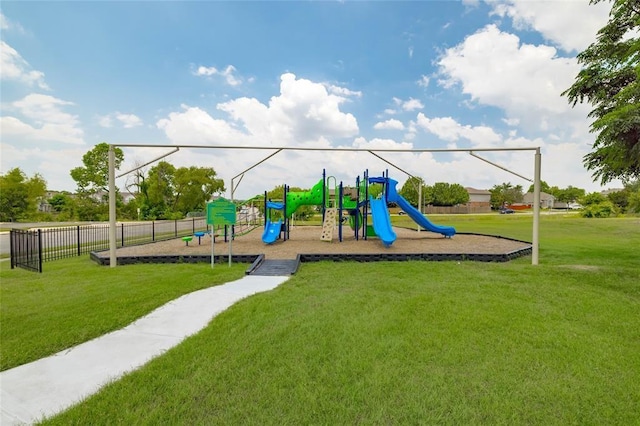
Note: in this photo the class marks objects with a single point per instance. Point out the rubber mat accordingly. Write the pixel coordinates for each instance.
(277, 267)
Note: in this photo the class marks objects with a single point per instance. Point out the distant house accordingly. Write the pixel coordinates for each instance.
(479, 197)
(546, 200)
(611, 191)
(479, 200)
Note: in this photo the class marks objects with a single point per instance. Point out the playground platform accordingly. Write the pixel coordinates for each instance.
(304, 243)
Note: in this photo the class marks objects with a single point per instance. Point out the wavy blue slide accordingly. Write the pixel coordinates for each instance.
(382, 221)
(419, 218)
(271, 231)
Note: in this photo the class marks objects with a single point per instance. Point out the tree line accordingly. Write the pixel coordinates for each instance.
(168, 192)
(162, 192)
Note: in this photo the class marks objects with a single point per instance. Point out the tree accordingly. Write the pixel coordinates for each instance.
(64, 205)
(610, 81)
(544, 187)
(170, 193)
(628, 199)
(505, 193)
(445, 194)
(375, 189)
(569, 195)
(94, 176)
(633, 201)
(19, 195)
(194, 186)
(620, 199)
(597, 205)
(157, 191)
(409, 190)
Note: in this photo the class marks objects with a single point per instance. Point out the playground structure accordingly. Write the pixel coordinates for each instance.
(337, 202)
(377, 152)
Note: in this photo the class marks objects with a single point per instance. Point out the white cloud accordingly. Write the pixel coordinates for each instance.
(511, 121)
(303, 112)
(4, 22)
(227, 73)
(48, 121)
(390, 111)
(343, 91)
(412, 105)
(105, 121)
(195, 126)
(423, 82)
(127, 120)
(524, 80)
(391, 124)
(448, 129)
(14, 67)
(7, 25)
(410, 52)
(551, 20)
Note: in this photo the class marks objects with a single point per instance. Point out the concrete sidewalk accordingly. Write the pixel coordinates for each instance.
(47, 386)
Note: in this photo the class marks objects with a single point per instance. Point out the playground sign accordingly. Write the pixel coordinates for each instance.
(221, 212)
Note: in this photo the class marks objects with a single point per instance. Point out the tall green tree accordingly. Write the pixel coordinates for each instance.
(570, 194)
(194, 186)
(169, 192)
(447, 194)
(409, 190)
(94, 176)
(506, 193)
(20, 195)
(544, 187)
(64, 206)
(610, 82)
(157, 190)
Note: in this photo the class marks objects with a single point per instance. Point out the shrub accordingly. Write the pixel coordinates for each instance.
(602, 209)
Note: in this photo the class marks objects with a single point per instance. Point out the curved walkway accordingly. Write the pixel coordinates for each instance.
(46, 387)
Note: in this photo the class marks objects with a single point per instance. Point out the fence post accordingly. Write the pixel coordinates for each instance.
(193, 225)
(122, 235)
(175, 227)
(40, 250)
(78, 234)
(12, 248)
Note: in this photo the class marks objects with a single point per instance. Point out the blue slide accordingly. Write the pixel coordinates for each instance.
(271, 231)
(382, 221)
(419, 218)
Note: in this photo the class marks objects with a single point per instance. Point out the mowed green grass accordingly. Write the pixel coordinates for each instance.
(414, 342)
(75, 300)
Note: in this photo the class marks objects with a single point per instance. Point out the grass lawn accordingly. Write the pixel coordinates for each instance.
(76, 300)
(401, 342)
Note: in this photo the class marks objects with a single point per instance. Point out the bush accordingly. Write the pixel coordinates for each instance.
(602, 209)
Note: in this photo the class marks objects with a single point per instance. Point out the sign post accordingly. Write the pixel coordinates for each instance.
(220, 212)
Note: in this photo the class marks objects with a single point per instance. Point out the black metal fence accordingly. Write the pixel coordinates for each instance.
(26, 249)
(70, 241)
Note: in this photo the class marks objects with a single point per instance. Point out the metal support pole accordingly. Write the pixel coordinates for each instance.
(419, 201)
(113, 259)
(536, 207)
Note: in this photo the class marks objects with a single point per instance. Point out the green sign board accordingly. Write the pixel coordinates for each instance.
(221, 212)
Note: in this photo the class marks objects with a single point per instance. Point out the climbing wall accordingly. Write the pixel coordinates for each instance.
(329, 224)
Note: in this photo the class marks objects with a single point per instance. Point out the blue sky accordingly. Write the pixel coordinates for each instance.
(430, 74)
